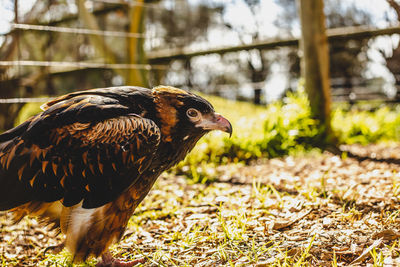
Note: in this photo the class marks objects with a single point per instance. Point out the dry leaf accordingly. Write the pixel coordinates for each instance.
(387, 234)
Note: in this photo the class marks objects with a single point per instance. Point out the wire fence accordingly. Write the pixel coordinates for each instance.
(131, 3)
(58, 29)
(81, 65)
(179, 54)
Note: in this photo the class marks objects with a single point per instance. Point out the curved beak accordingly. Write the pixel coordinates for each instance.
(216, 122)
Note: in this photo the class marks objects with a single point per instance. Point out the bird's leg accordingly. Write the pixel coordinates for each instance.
(107, 260)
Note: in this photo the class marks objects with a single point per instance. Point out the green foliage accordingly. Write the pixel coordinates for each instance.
(290, 128)
(364, 127)
(27, 111)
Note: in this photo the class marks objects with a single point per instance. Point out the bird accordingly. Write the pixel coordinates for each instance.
(90, 157)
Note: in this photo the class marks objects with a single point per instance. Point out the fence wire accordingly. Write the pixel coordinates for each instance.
(81, 65)
(76, 30)
(25, 100)
(131, 3)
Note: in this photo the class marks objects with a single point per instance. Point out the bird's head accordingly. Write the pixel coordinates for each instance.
(186, 115)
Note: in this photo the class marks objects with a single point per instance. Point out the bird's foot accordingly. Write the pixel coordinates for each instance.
(55, 249)
(107, 260)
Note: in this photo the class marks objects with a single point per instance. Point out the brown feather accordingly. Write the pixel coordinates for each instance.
(21, 171)
(44, 165)
(11, 156)
(32, 181)
(62, 181)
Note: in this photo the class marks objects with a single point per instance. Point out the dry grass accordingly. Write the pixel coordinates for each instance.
(318, 210)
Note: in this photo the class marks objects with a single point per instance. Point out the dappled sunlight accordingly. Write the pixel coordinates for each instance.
(304, 169)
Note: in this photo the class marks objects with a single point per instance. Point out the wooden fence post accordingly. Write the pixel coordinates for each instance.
(315, 60)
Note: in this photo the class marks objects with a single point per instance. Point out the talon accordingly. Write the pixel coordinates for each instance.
(55, 249)
(107, 260)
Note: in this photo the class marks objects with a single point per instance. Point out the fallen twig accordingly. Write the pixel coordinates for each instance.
(376, 244)
(282, 224)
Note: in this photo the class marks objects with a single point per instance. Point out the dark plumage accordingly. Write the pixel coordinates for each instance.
(90, 158)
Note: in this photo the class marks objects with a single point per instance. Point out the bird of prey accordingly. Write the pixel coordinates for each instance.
(87, 161)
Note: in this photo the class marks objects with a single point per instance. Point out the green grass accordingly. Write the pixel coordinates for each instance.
(365, 127)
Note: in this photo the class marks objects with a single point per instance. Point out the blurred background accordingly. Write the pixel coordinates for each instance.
(237, 49)
(294, 77)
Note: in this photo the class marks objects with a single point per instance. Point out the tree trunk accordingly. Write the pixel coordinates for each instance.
(315, 60)
(97, 41)
(135, 46)
(257, 96)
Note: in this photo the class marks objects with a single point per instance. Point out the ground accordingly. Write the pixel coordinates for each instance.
(315, 209)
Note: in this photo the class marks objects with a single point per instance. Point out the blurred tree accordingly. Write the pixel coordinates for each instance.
(258, 65)
(136, 53)
(187, 24)
(180, 24)
(134, 45)
(348, 59)
(393, 60)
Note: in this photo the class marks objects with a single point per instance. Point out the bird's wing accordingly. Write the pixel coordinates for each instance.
(85, 148)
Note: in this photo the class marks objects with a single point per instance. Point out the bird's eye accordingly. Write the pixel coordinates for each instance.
(193, 113)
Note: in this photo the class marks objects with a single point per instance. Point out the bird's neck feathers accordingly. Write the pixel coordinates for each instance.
(167, 101)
